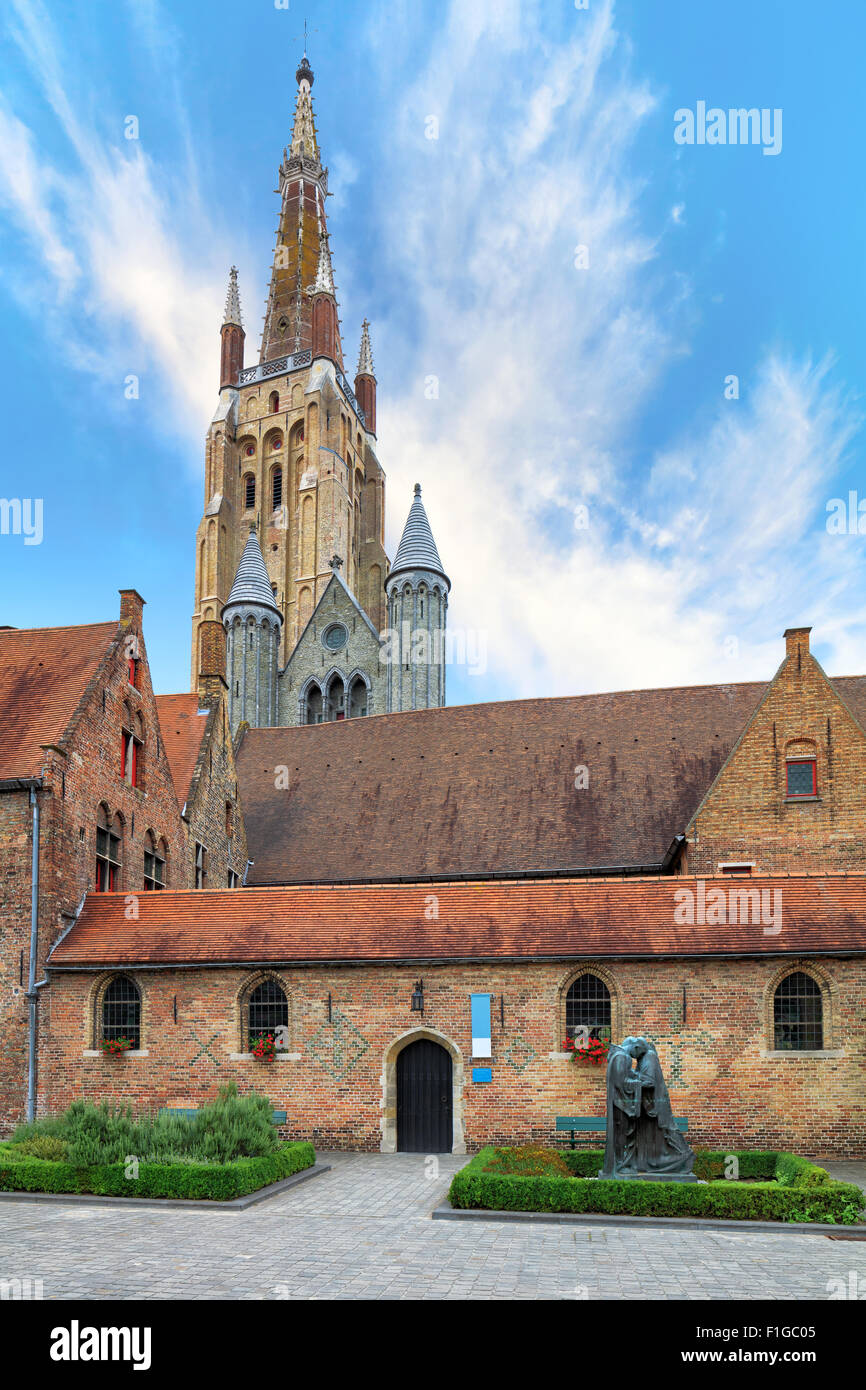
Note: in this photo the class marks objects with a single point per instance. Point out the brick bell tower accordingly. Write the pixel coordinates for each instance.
(291, 449)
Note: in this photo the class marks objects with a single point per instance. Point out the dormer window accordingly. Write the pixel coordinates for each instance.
(802, 777)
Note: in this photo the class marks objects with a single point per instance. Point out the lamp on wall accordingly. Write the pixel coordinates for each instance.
(418, 998)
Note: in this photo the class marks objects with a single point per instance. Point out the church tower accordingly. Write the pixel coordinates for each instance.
(291, 449)
(417, 588)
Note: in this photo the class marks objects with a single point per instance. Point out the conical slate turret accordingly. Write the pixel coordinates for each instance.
(417, 588)
(252, 586)
(417, 548)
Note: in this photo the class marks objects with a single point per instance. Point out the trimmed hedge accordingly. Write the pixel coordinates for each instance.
(197, 1181)
(709, 1163)
(797, 1194)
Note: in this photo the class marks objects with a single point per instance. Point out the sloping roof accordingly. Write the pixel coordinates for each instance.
(485, 789)
(44, 673)
(182, 725)
(251, 581)
(417, 548)
(477, 790)
(559, 920)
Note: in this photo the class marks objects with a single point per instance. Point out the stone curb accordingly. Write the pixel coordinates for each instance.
(445, 1212)
(91, 1199)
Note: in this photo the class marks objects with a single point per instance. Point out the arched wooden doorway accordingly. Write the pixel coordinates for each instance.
(425, 1105)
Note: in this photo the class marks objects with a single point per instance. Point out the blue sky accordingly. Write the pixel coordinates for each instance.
(561, 388)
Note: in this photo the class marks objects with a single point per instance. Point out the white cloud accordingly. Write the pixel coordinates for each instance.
(545, 370)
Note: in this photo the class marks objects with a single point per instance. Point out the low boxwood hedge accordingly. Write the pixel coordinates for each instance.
(198, 1181)
(709, 1163)
(799, 1191)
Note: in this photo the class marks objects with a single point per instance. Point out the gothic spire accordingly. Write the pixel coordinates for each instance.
(324, 282)
(365, 356)
(302, 237)
(233, 303)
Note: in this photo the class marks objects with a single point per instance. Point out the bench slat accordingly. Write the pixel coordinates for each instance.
(585, 1123)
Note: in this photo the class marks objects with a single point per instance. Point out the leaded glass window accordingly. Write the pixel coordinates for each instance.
(798, 1015)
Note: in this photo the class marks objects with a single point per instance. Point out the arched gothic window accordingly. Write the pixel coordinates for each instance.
(108, 851)
(798, 1014)
(267, 1010)
(121, 1012)
(587, 1005)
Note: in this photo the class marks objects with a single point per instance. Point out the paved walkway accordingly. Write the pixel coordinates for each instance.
(364, 1231)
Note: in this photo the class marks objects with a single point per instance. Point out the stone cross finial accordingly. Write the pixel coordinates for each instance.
(335, 562)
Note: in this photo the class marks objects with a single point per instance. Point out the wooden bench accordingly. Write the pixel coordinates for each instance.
(584, 1124)
(278, 1117)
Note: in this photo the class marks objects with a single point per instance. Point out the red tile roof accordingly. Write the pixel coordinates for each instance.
(560, 919)
(182, 724)
(44, 673)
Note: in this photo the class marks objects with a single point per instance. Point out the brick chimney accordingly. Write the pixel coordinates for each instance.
(212, 658)
(797, 643)
(131, 609)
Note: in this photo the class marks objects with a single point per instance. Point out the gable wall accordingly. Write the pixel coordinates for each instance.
(747, 816)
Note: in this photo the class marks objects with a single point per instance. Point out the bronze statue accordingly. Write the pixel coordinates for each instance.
(623, 1108)
(642, 1137)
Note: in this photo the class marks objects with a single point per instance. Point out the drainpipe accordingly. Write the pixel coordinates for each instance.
(32, 996)
(250, 863)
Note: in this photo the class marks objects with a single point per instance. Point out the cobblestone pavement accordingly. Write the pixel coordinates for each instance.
(364, 1231)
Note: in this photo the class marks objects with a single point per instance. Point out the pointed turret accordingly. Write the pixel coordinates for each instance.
(417, 588)
(302, 239)
(365, 379)
(325, 325)
(232, 335)
(252, 622)
(417, 548)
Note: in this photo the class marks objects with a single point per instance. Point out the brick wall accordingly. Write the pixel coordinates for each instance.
(337, 1082)
(213, 812)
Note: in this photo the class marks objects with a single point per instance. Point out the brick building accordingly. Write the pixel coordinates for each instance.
(526, 864)
(103, 787)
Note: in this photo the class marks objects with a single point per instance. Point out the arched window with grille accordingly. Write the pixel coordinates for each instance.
(277, 488)
(267, 1010)
(798, 1014)
(249, 492)
(274, 402)
(121, 1012)
(587, 1005)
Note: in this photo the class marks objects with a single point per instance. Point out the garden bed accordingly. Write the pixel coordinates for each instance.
(221, 1152)
(769, 1186)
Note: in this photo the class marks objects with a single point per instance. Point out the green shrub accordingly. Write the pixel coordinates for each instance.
(41, 1146)
(792, 1171)
(189, 1179)
(831, 1202)
(232, 1126)
(709, 1163)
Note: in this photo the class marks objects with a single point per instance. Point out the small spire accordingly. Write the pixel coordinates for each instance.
(233, 303)
(324, 275)
(417, 489)
(365, 356)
